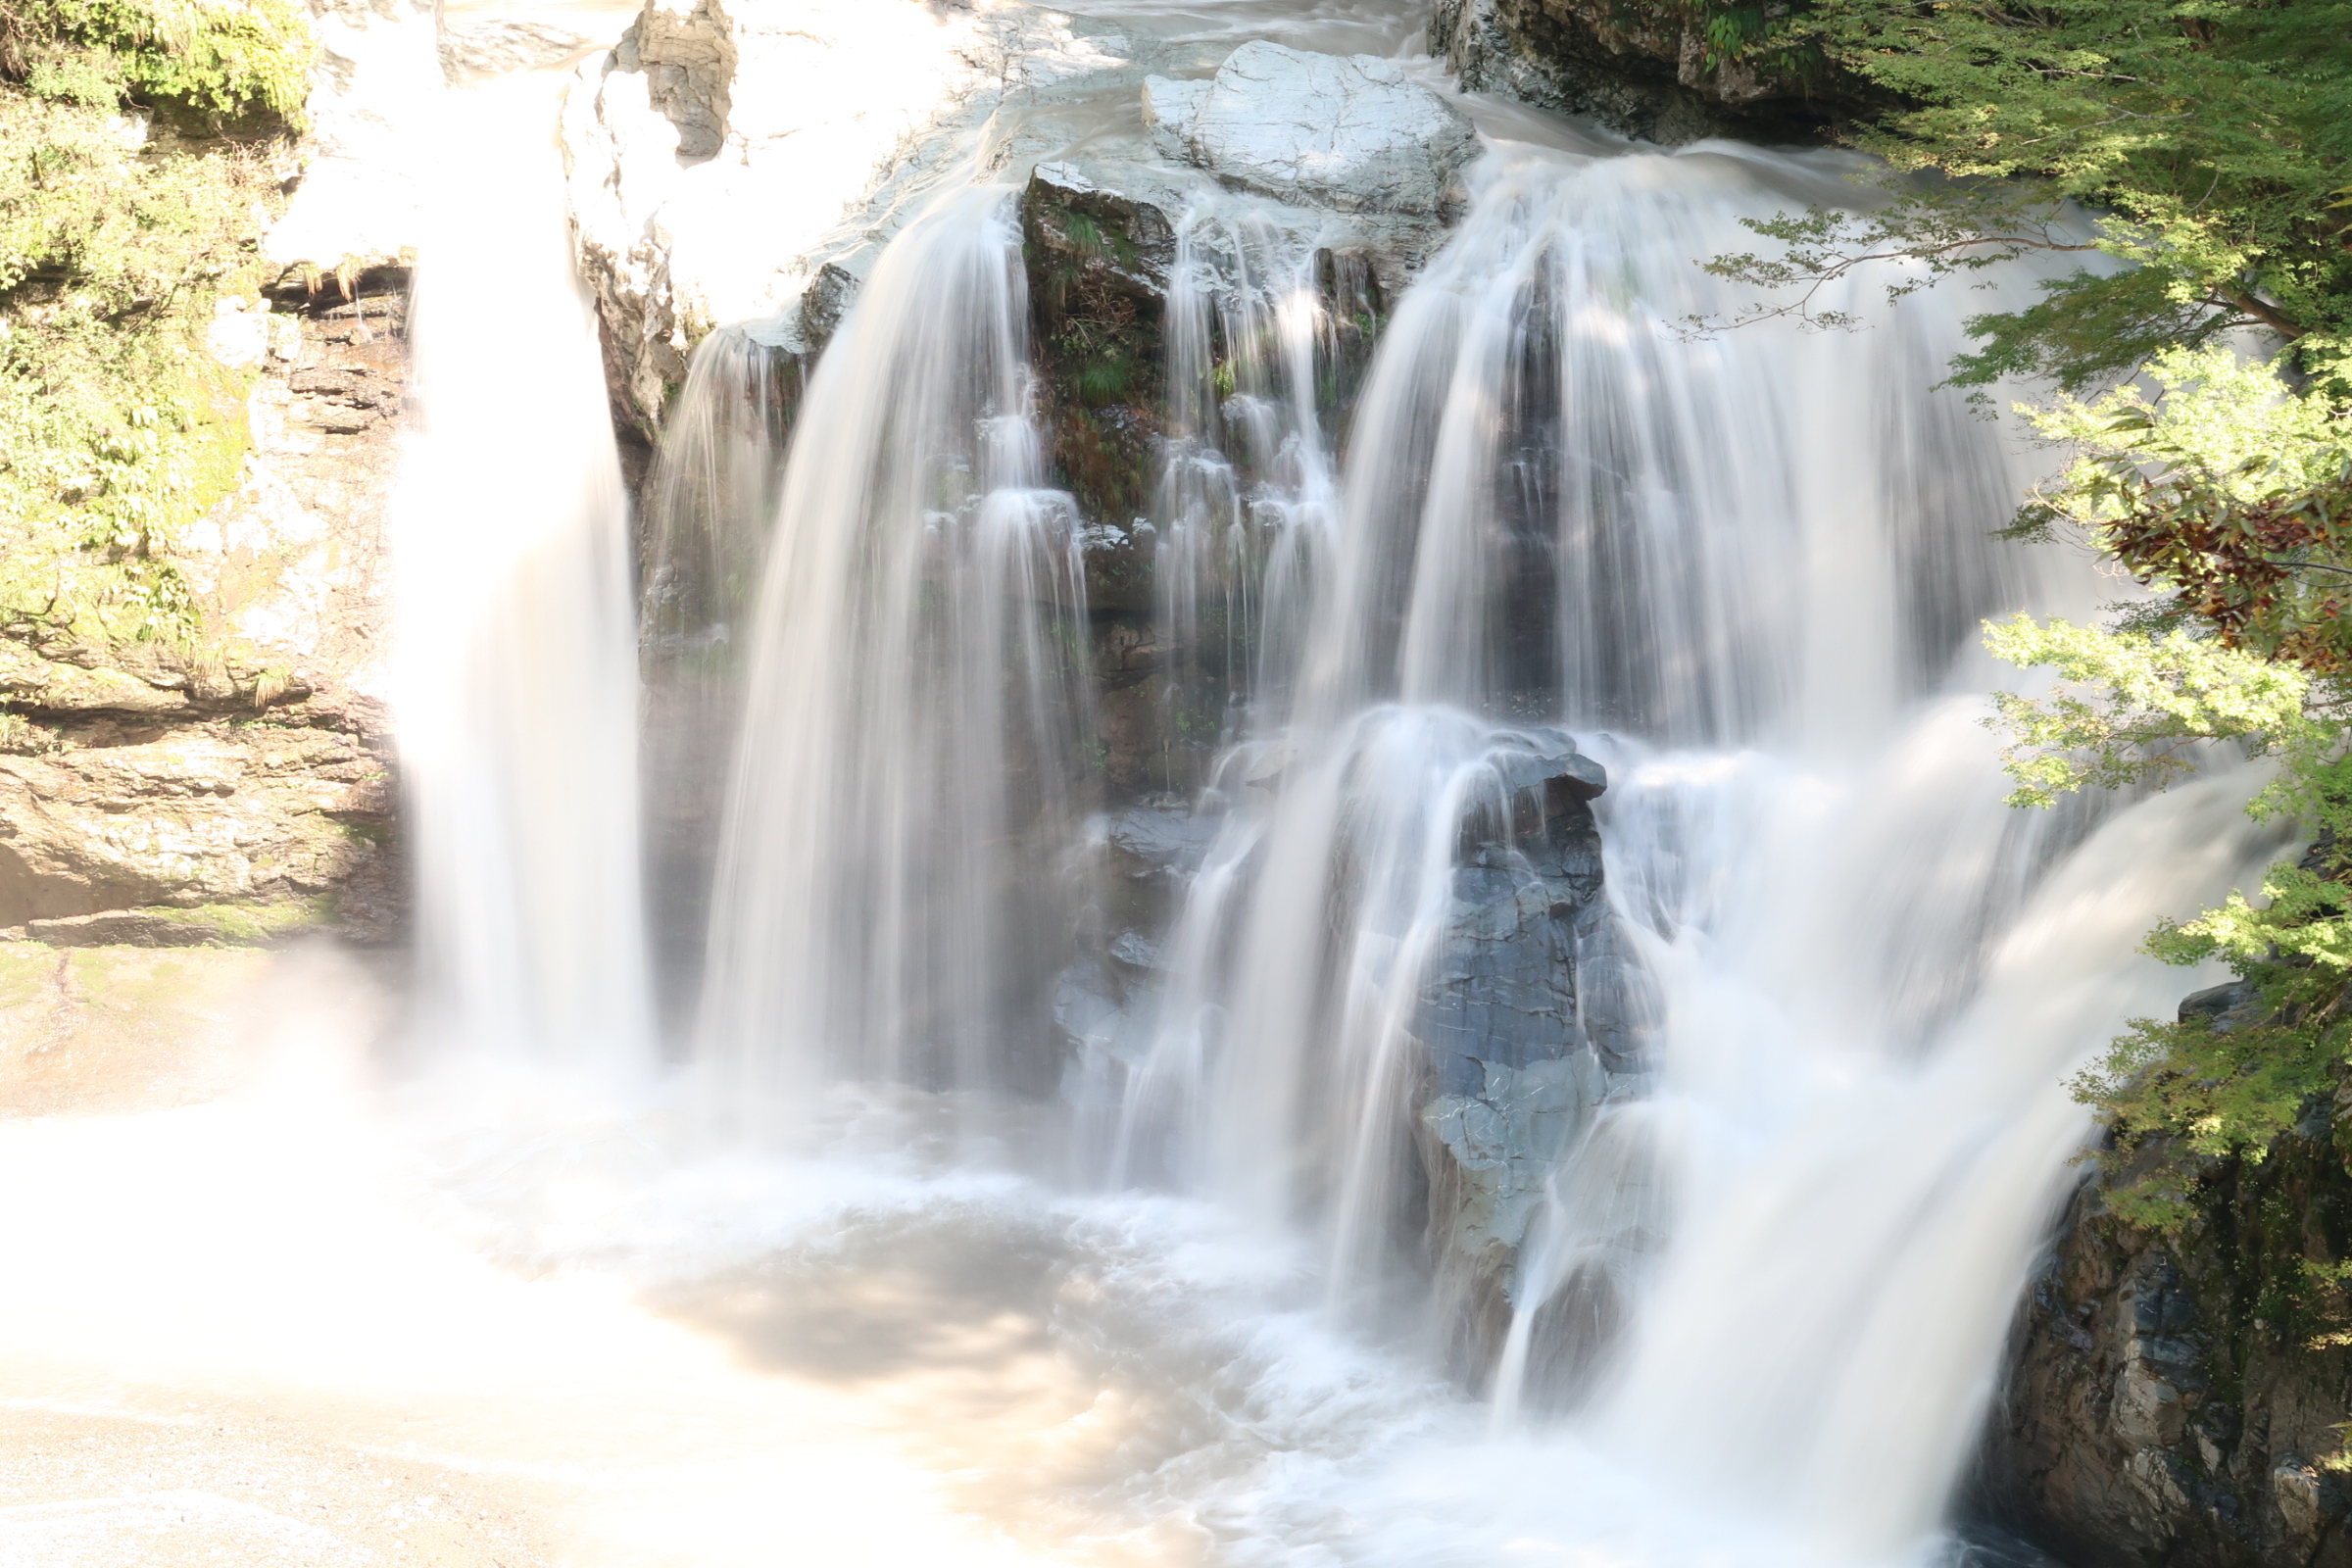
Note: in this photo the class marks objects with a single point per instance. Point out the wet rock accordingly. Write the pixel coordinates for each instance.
(2178, 1398)
(1646, 71)
(1097, 259)
(1500, 1144)
(1159, 839)
(1532, 1020)
(1088, 240)
(1349, 133)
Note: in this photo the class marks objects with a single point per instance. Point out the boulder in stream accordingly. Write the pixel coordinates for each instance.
(1351, 132)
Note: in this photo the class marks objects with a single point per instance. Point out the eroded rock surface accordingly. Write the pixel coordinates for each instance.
(734, 162)
(1532, 1021)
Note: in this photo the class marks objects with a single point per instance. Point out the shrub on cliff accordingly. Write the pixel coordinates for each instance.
(2233, 499)
(118, 426)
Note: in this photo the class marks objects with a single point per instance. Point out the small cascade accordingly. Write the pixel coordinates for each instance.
(886, 907)
(709, 502)
(1247, 495)
(517, 680)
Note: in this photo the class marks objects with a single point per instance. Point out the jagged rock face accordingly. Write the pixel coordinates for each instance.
(1641, 69)
(2180, 1400)
(1351, 133)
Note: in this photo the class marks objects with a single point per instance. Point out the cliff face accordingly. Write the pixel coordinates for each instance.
(231, 781)
(232, 790)
(2183, 1401)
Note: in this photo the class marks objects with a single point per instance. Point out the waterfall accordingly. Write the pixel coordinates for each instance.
(1767, 1136)
(516, 675)
(885, 907)
(1585, 941)
(1238, 533)
(710, 503)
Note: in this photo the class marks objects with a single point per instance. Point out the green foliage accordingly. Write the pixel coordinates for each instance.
(2221, 491)
(2178, 1097)
(117, 428)
(2229, 494)
(2208, 144)
(2131, 708)
(217, 63)
(2175, 1096)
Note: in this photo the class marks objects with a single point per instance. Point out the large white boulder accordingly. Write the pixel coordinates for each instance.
(1351, 132)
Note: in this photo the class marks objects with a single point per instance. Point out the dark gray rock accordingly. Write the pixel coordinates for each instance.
(1160, 838)
(2180, 1400)
(1536, 1016)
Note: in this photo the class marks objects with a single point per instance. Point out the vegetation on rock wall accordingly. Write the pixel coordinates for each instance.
(118, 426)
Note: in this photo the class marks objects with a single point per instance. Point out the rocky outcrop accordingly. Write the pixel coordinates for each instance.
(1097, 258)
(1646, 69)
(740, 163)
(1353, 133)
(238, 787)
(1533, 1016)
(2183, 1401)
(235, 790)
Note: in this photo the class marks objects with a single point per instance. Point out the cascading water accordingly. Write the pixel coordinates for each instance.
(710, 503)
(1236, 538)
(516, 679)
(1792, 1100)
(1582, 1076)
(892, 828)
